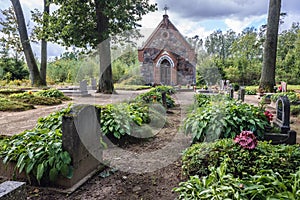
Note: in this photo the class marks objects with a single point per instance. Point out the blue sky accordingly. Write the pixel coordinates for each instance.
(197, 17)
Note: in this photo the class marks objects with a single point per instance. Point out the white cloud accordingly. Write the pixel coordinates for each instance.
(239, 25)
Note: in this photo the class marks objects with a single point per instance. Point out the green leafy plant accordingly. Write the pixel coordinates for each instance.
(55, 93)
(168, 89)
(250, 91)
(201, 100)
(10, 105)
(283, 159)
(122, 119)
(30, 98)
(295, 110)
(154, 96)
(39, 151)
(224, 120)
(219, 184)
(292, 96)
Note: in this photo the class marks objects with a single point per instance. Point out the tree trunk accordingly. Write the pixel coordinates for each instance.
(105, 80)
(30, 60)
(267, 81)
(43, 68)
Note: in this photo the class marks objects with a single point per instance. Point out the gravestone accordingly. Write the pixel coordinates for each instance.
(13, 190)
(282, 121)
(94, 84)
(83, 86)
(164, 99)
(241, 94)
(81, 138)
(283, 86)
(231, 92)
(283, 113)
(222, 84)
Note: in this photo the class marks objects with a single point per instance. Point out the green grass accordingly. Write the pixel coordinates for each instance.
(131, 87)
(289, 87)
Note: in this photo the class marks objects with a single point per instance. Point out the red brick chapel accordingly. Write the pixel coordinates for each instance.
(166, 57)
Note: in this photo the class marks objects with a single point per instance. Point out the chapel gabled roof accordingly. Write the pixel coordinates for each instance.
(165, 24)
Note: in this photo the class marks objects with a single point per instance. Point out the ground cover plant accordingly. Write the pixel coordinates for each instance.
(250, 91)
(293, 96)
(11, 105)
(131, 87)
(30, 98)
(226, 169)
(38, 152)
(18, 100)
(216, 118)
(155, 96)
(136, 118)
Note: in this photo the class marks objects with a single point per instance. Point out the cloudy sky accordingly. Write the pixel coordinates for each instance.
(200, 17)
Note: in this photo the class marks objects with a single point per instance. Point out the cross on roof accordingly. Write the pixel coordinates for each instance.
(166, 8)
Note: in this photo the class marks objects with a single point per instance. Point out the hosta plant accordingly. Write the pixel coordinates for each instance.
(39, 151)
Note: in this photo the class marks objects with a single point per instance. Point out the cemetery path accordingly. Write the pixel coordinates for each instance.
(12, 123)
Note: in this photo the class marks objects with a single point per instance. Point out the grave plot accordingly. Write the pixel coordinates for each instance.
(282, 121)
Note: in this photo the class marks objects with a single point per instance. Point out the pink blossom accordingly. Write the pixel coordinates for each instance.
(246, 139)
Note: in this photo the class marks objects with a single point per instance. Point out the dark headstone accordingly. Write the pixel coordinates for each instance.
(283, 114)
(164, 99)
(13, 190)
(231, 92)
(241, 94)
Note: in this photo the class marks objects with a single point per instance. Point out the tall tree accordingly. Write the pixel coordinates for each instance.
(35, 77)
(89, 23)
(43, 68)
(267, 80)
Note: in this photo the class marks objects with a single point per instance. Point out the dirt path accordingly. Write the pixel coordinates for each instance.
(16, 122)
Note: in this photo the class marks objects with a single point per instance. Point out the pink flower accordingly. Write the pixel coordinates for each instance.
(246, 139)
(269, 115)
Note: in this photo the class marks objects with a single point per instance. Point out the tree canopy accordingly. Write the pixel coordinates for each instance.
(89, 24)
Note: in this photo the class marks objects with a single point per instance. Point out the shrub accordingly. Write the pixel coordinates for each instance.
(134, 80)
(235, 86)
(30, 98)
(122, 119)
(39, 151)
(224, 120)
(10, 105)
(10, 91)
(249, 91)
(201, 100)
(295, 110)
(154, 96)
(54, 93)
(292, 96)
(168, 89)
(220, 184)
(284, 159)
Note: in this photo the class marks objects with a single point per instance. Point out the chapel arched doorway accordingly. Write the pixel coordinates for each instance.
(165, 72)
